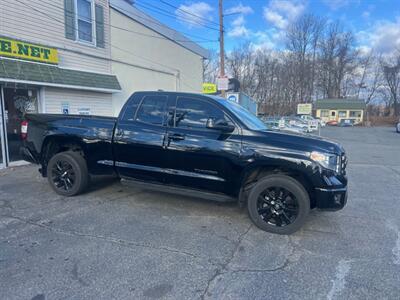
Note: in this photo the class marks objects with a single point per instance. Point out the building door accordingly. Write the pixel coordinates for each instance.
(332, 115)
(2, 133)
(17, 102)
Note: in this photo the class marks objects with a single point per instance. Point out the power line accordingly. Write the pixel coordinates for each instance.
(141, 33)
(109, 43)
(187, 12)
(169, 14)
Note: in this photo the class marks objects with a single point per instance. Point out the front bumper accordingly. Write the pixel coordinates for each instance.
(331, 199)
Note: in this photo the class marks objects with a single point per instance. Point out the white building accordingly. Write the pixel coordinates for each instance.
(84, 57)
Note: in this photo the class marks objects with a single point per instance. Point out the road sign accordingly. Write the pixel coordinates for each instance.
(209, 88)
(233, 97)
(304, 109)
(223, 83)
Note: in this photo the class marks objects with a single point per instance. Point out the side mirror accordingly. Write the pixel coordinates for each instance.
(220, 125)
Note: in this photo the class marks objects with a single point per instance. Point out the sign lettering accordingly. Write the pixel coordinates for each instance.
(27, 51)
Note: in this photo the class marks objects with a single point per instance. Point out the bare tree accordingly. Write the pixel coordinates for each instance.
(211, 67)
(302, 39)
(391, 73)
(337, 57)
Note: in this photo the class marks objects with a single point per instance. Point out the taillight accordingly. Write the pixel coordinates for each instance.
(24, 129)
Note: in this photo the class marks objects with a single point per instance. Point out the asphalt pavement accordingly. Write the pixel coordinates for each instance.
(115, 242)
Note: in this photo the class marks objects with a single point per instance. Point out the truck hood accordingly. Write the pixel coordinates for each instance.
(296, 142)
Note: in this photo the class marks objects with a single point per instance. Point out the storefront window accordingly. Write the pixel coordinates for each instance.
(355, 114)
(342, 114)
(324, 113)
(85, 20)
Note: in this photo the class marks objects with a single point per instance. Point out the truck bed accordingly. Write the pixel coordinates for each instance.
(95, 133)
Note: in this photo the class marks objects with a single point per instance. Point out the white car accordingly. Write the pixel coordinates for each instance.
(313, 122)
(398, 127)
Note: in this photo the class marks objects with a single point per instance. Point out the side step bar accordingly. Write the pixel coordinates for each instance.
(177, 190)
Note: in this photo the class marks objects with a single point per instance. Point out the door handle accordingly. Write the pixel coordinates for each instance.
(176, 137)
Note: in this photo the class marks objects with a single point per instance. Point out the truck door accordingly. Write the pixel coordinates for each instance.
(199, 157)
(139, 138)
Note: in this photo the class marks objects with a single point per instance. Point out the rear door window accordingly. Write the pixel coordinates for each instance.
(152, 110)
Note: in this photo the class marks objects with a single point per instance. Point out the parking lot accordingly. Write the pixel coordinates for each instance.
(116, 242)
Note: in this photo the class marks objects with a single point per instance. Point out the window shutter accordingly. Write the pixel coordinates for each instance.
(69, 13)
(99, 14)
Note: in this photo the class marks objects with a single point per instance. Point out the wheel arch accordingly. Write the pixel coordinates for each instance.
(54, 144)
(255, 172)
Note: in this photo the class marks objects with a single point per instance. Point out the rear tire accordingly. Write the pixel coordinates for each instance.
(278, 204)
(67, 173)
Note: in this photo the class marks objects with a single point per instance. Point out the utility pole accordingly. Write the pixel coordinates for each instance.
(221, 44)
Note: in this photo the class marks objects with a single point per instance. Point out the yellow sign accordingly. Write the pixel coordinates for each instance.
(17, 49)
(209, 88)
(304, 109)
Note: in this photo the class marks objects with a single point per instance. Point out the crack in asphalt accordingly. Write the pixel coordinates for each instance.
(121, 242)
(224, 268)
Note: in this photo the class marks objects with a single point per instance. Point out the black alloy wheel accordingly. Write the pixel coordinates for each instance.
(278, 203)
(67, 173)
(277, 206)
(63, 175)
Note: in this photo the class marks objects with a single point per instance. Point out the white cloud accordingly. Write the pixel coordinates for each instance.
(281, 12)
(366, 14)
(336, 4)
(239, 31)
(194, 14)
(239, 9)
(238, 24)
(269, 39)
(383, 37)
(238, 28)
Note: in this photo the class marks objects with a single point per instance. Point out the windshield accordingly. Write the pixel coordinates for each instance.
(250, 120)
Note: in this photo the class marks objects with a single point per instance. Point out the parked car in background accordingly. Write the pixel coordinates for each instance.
(332, 123)
(313, 122)
(279, 123)
(321, 122)
(297, 121)
(346, 123)
(192, 144)
(398, 127)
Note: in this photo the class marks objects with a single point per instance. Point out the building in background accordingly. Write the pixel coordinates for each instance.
(338, 109)
(84, 57)
(147, 55)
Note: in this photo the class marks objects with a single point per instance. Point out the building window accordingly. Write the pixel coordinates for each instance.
(355, 114)
(342, 114)
(324, 113)
(85, 20)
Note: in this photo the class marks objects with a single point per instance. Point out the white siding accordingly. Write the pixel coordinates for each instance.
(47, 28)
(170, 66)
(99, 103)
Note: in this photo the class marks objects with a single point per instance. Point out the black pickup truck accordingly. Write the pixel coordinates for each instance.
(199, 145)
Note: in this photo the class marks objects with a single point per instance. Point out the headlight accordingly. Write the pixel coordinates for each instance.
(329, 161)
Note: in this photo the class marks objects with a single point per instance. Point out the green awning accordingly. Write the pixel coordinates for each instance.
(340, 104)
(22, 72)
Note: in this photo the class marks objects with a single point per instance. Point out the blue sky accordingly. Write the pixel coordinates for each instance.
(375, 23)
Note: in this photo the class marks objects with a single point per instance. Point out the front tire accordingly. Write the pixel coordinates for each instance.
(67, 173)
(278, 204)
